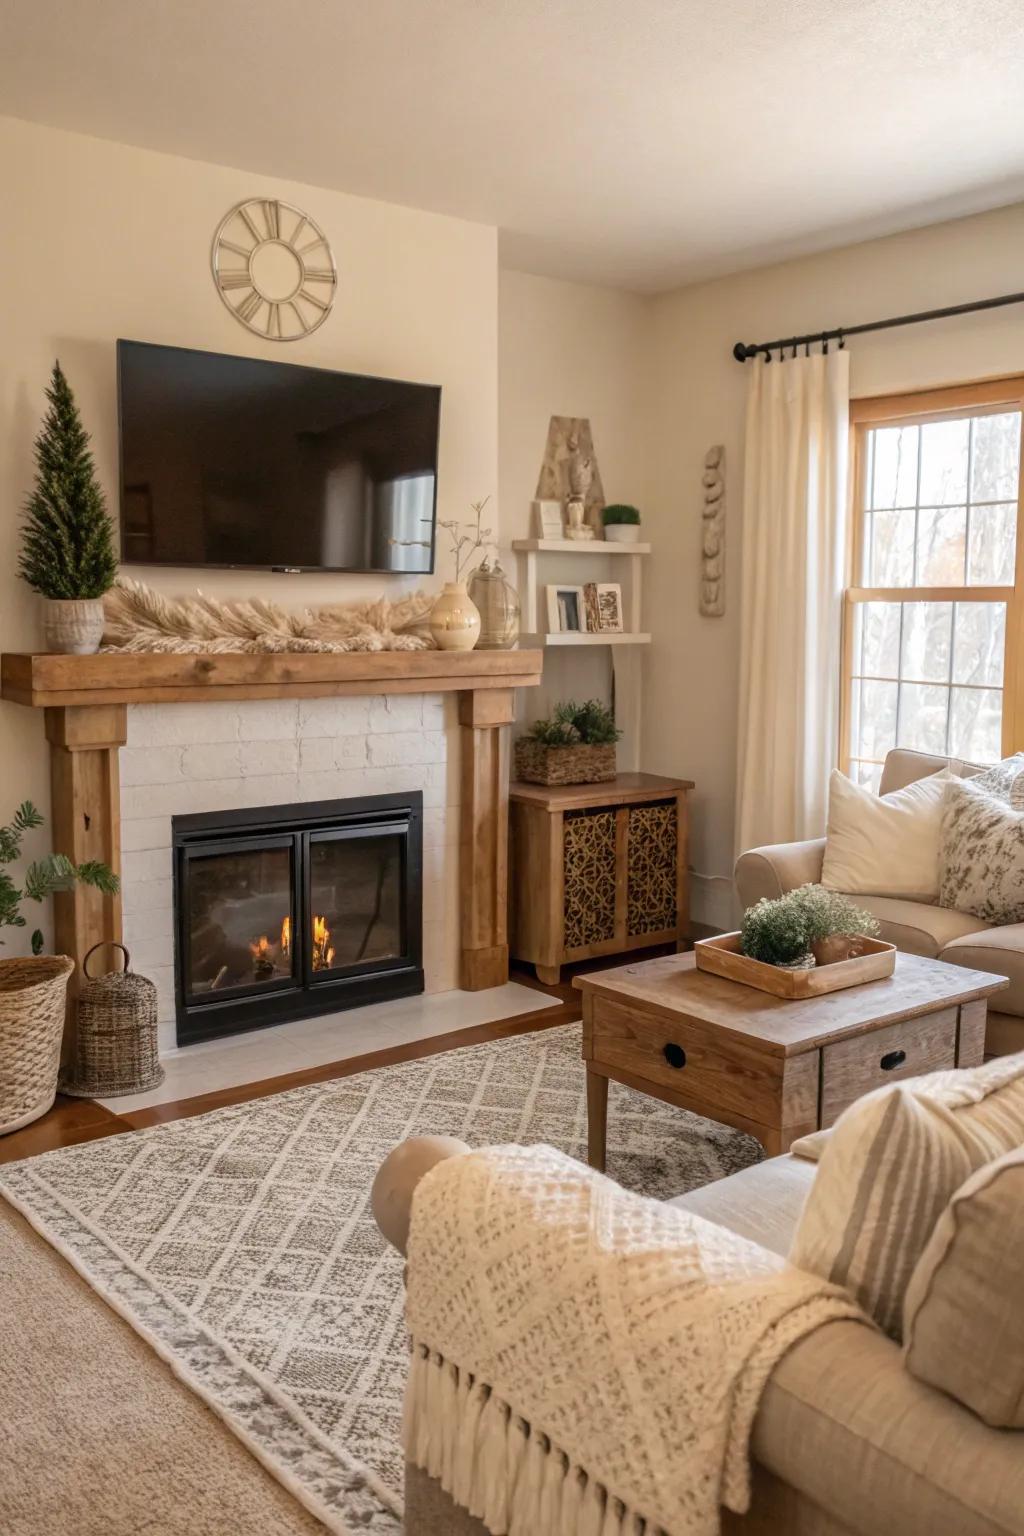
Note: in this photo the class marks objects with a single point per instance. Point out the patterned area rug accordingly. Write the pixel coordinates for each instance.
(241, 1245)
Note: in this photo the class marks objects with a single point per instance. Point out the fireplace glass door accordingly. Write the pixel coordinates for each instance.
(356, 902)
(241, 917)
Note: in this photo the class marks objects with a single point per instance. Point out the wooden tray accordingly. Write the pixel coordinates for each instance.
(722, 957)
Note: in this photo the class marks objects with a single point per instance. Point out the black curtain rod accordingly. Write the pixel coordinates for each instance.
(743, 351)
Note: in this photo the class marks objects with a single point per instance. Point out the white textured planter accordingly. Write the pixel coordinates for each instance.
(455, 619)
(622, 533)
(73, 626)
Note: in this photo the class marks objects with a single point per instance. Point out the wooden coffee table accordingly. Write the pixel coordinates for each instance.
(770, 1066)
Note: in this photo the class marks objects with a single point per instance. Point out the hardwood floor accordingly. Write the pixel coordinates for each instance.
(76, 1120)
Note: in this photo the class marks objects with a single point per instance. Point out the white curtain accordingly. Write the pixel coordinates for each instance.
(794, 559)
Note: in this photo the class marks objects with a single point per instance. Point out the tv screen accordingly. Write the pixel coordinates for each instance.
(232, 461)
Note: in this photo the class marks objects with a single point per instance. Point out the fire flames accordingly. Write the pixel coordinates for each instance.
(264, 953)
(323, 950)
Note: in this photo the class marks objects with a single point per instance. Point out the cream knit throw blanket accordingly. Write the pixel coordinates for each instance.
(587, 1362)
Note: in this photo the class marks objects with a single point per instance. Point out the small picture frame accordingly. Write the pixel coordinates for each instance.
(547, 520)
(602, 601)
(566, 613)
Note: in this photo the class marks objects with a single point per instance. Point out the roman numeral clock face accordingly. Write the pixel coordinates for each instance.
(274, 269)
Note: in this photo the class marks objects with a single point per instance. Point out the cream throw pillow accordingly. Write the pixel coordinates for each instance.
(892, 1164)
(884, 845)
(963, 1317)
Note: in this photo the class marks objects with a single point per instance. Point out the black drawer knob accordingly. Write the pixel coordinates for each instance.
(674, 1055)
(891, 1060)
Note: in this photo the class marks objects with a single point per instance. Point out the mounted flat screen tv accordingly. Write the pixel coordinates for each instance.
(233, 461)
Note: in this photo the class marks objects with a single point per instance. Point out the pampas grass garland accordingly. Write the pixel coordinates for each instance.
(138, 619)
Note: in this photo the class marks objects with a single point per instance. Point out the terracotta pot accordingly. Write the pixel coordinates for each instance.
(622, 533)
(838, 946)
(73, 626)
(455, 619)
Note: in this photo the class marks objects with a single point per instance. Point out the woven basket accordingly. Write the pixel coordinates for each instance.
(115, 1044)
(32, 1002)
(540, 764)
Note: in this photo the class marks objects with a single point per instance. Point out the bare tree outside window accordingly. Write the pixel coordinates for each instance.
(937, 516)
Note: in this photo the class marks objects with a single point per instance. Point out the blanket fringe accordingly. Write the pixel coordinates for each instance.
(495, 1465)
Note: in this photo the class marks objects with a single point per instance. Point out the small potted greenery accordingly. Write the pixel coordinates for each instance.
(808, 926)
(575, 745)
(32, 988)
(621, 523)
(67, 543)
(835, 924)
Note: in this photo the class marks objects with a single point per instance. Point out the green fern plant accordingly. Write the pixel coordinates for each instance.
(45, 876)
(570, 724)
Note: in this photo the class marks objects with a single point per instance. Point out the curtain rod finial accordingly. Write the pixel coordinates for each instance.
(741, 352)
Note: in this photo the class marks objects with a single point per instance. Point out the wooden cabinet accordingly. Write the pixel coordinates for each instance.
(597, 869)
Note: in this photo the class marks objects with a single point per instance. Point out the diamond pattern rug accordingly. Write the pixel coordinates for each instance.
(241, 1244)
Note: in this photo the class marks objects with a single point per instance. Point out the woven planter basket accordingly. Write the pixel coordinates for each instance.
(115, 1043)
(540, 764)
(32, 1000)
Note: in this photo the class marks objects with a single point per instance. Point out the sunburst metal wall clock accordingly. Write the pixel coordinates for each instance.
(274, 269)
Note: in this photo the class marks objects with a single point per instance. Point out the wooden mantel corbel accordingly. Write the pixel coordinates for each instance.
(85, 700)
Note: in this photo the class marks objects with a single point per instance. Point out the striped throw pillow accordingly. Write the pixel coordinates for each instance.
(892, 1164)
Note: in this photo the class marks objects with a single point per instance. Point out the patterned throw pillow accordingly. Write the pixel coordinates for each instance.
(981, 851)
(893, 1162)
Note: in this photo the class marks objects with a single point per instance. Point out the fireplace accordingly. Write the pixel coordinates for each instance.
(288, 911)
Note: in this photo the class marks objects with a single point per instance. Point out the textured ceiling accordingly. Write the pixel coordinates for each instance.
(637, 142)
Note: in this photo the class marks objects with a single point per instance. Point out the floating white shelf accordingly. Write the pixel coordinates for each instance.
(572, 638)
(577, 547)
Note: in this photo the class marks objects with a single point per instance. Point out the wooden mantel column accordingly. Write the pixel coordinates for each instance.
(85, 788)
(483, 868)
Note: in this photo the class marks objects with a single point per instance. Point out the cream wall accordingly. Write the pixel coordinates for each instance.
(104, 241)
(571, 349)
(697, 398)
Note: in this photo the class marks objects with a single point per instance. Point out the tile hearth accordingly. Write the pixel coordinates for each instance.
(197, 1069)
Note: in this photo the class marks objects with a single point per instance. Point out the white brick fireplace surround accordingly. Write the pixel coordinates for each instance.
(186, 758)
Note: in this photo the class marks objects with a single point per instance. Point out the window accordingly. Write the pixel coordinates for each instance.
(932, 629)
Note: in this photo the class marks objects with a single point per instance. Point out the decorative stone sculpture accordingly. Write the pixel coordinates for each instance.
(712, 534)
(570, 473)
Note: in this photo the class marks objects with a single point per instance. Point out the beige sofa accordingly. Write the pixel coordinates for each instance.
(915, 926)
(846, 1442)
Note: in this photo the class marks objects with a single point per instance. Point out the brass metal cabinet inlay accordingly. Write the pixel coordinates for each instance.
(653, 839)
(589, 876)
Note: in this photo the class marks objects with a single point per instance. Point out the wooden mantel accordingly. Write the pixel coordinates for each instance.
(85, 699)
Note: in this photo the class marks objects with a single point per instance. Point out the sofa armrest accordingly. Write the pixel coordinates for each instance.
(778, 868)
(397, 1178)
(844, 1423)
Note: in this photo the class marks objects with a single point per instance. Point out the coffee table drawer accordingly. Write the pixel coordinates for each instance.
(684, 1056)
(851, 1068)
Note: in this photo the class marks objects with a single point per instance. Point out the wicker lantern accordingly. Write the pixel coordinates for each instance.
(116, 1041)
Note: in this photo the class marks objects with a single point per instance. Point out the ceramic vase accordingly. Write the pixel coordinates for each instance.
(622, 533)
(73, 626)
(455, 619)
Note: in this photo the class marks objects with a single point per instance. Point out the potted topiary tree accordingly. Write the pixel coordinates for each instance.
(67, 548)
(621, 523)
(32, 988)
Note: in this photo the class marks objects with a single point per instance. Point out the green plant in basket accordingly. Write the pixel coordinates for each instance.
(775, 932)
(590, 724)
(43, 878)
